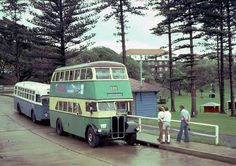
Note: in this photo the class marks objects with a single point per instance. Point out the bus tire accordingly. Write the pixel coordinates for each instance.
(92, 139)
(59, 127)
(130, 139)
(33, 116)
(18, 109)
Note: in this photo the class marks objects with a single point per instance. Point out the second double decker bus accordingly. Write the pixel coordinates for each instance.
(91, 101)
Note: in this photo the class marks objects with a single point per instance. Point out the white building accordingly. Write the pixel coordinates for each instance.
(157, 59)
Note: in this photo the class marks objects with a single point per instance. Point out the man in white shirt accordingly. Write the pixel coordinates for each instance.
(166, 126)
(185, 119)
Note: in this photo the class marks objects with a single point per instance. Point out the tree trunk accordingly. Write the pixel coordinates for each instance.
(62, 34)
(122, 26)
(170, 67)
(233, 113)
(218, 62)
(192, 73)
(222, 89)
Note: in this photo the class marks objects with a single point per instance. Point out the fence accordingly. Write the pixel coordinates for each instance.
(215, 135)
(6, 89)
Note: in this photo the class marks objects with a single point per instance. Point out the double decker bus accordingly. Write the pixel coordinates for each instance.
(91, 101)
(32, 99)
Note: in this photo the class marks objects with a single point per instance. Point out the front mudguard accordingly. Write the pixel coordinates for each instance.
(131, 127)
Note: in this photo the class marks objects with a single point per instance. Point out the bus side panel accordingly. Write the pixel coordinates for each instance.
(76, 124)
(25, 106)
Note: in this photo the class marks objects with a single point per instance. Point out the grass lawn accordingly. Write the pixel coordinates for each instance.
(226, 123)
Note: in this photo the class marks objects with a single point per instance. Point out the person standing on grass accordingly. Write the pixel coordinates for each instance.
(166, 126)
(160, 119)
(185, 119)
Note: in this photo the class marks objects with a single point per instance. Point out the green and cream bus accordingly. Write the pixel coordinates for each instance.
(91, 101)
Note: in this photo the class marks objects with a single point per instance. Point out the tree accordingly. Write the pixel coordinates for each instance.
(164, 27)
(14, 9)
(120, 9)
(64, 24)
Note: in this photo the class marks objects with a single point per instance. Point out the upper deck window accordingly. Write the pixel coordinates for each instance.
(77, 74)
(103, 73)
(61, 76)
(119, 73)
(89, 74)
(67, 75)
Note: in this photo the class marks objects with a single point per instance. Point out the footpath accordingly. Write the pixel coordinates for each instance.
(214, 152)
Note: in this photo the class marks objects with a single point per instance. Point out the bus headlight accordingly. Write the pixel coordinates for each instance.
(137, 129)
(103, 126)
(46, 114)
(99, 130)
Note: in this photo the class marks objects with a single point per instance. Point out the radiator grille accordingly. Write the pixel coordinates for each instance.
(118, 127)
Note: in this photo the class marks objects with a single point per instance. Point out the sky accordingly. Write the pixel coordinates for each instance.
(138, 33)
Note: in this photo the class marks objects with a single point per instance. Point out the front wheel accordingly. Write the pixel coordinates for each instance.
(130, 139)
(59, 127)
(92, 139)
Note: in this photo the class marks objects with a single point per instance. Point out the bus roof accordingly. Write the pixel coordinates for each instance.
(93, 64)
(40, 88)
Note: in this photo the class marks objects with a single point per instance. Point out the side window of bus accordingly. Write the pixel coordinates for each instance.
(60, 105)
(91, 106)
(71, 77)
(89, 74)
(64, 106)
(70, 107)
(83, 74)
(15, 90)
(38, 98)
(76, 108)
(61, 76)
(67, 75)
(77, 74)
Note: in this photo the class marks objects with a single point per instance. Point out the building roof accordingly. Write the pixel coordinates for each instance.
(146, 52)
(210, 104)
(146, 87)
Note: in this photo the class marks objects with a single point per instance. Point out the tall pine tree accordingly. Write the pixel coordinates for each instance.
(14, 9)
(64, 24)
(120, 10)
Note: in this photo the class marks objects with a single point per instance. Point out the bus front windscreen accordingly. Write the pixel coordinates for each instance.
(106, 106)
